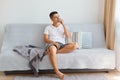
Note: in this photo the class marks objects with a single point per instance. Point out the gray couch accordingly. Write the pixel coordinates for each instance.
(98, 58)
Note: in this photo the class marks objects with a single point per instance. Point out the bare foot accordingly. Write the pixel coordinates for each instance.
(60, 75)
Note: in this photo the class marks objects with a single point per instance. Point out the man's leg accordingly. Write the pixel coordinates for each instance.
(68, 48)
(53, 59)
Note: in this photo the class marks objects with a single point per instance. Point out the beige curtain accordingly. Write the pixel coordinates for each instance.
(109, 23)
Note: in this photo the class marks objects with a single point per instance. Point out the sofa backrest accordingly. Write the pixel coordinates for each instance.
(98, 40)
(25, 34)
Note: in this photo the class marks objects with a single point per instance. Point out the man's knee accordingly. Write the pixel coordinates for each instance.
(52, 49)
(75, 45)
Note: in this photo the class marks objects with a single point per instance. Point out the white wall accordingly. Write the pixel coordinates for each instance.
(36, 11)
(117, 37)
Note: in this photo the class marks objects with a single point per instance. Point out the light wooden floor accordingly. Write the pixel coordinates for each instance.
(112, 75)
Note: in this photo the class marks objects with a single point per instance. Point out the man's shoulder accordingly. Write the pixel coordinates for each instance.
(48, 26)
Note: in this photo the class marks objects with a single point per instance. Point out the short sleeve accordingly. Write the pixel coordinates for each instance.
(46, 31)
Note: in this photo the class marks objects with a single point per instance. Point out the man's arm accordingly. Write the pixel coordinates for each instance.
(66, 31)
(46, 39)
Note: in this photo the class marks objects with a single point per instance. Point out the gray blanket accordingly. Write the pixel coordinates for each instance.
(33, 53)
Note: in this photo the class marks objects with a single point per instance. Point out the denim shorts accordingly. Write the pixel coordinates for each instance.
(61, 45)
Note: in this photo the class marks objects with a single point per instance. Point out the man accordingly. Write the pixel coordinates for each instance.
(55, 34)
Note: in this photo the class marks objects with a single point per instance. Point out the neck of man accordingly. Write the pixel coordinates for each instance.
(56, 24)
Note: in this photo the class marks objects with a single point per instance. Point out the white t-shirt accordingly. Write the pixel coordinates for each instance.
(55, 33)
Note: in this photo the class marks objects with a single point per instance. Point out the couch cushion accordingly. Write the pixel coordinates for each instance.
(99, 58)
(84, 39)
(97, 30)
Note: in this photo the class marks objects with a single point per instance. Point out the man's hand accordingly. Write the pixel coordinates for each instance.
(61, 21)
(66, 31)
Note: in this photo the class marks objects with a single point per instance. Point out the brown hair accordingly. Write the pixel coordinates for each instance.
(52, 13)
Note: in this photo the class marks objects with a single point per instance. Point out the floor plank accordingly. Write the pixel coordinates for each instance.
(112, 75)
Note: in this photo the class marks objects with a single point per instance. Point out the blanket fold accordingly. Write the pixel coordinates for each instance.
(33, 54)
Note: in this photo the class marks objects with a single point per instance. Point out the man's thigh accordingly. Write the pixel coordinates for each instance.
(68, 48)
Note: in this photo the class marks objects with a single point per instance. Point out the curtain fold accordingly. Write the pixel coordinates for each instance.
(109, 23)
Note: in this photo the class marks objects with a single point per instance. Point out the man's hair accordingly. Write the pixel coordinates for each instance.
(52, 13)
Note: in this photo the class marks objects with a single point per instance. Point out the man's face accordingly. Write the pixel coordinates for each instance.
(55, 18)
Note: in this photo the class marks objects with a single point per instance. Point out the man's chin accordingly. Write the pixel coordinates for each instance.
(57, 21)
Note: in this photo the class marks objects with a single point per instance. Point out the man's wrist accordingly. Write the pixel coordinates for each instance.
(63, 24)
